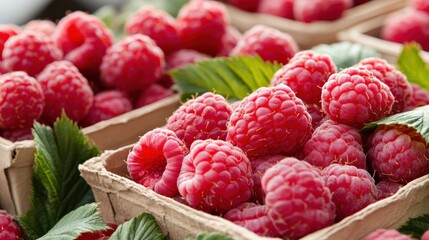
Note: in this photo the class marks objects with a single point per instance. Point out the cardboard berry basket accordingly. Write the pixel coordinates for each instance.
(16, 158)
(308, 35)
(368, 33)
(121, 199)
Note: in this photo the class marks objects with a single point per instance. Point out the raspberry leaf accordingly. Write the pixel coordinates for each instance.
(86, 218)
(57, 185)
(233, 77)
(211, 236)
(415, 226)
(413, 66)
(417, 118)
(143, 226)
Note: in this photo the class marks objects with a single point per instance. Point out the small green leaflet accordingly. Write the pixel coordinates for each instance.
(57, 185)
(143, 226)
(211, 236)
(233, 77)
(413, 66)
(417, 118)
(416, 226)
(86, 218)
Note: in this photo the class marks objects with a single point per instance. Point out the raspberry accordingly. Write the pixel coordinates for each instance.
(204, 117)
(297, 199)
(7, 31)
(316, 113)
(65, 88)
(99, 235)
(386, 234)
(229, 41)
(259, 166)
(215, 176)
(132, 64)
(29, 52)
(352, 188)
(419, 97)
(17, 134)
(21, 100)
(387, 188)
(421, 5)
(359, 2)
(270, 121)
(408, 26)
(155, 161)
(355, 96)
(246, 5)
(320, 10)
(106, 105)
(84, 40)
(9, 229)
(306, 73)
(202, 25)
(398, 153)
(394, 79)
(46, 27)
(151, 94)
(425, 235)
(269, 43)
(253, 217)
(280, 8)
(333, 142)
(156, 24)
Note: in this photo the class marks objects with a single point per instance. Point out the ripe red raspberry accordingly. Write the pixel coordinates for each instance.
(151, 94)
(320, 10)
(17, 134)
(270, 44)
(359, 2)
(65, 88)
(270, 121)
(46, 27)
(306, 73)
(202, 24)
(398, 153)
(355, 96)
(253, 217)
(316, 113)
(280, 8)
(7, 31)
(419, 97)
(425, 235)
(408, 26)
(229, 41)
(352, 188)
(204, 117)
(246, 5)
(158, 25)
(106, 105)
(29, 52)
(387, 188)
(9, 230)
(132, 64)
(156, 159)
(99, 235)
(215, 176)
(297, 199)
(421, 5)
(21, 100)
(333, 142)
(259, 166)
(386, 234)
(84, 40)
(394, 79)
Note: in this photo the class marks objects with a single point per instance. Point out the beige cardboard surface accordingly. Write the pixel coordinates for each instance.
(16, 158)
(121, 199)
(308, 35)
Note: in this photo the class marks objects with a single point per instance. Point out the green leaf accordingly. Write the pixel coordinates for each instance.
(233, 77)
(57, 185)
(211, 236)
(346, 54)
(413, 66)
(143, 226)
(86, 218)
(417, 118)
(415, 226)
